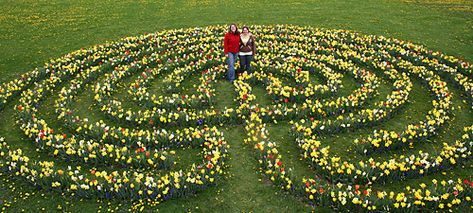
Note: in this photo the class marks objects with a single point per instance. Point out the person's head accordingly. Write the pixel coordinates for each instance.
(233, 28)
(245, 29)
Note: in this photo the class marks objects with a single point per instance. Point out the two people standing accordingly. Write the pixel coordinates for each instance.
(241, 45)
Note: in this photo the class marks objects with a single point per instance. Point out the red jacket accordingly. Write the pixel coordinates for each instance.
(231, 43)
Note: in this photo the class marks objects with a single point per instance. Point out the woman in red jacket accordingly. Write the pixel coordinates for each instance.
(231, 46)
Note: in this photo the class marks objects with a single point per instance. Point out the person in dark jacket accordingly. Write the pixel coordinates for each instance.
(231, 45)
(247, 49)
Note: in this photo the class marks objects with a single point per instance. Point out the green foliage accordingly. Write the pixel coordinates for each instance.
(32, 32)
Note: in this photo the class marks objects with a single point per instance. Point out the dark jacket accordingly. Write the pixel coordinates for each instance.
(250, 45)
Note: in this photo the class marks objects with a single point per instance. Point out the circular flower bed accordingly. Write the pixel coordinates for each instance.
(131, 153)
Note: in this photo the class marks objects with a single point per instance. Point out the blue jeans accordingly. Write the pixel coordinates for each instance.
(245, 63)
(231, 66)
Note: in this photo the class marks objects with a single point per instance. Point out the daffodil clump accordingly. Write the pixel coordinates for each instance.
(137, 158)
(350, 183)
(132, 154)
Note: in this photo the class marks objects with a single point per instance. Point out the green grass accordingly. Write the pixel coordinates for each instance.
(32, 32)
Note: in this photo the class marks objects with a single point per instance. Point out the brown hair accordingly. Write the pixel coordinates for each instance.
(245, 27)
(230, 28)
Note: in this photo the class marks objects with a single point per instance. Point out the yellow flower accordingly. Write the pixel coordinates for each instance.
(381, 195)
(73, 187)
(445, 196)
(452, 161)
(422, 185)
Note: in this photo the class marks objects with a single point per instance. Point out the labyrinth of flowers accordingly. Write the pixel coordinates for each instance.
(137, 163)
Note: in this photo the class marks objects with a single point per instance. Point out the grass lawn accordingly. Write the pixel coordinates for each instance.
(32, 32)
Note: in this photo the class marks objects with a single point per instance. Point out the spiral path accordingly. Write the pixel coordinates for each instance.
(153, 98)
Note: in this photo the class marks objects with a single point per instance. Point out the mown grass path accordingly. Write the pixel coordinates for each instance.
(31, 32)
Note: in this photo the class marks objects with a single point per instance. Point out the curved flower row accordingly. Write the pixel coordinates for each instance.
(140, 93)
(129, 157)
(61, 144)
(339, 195)
(85, 146)
(347, 195)
(126, 184)
(300, 70)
